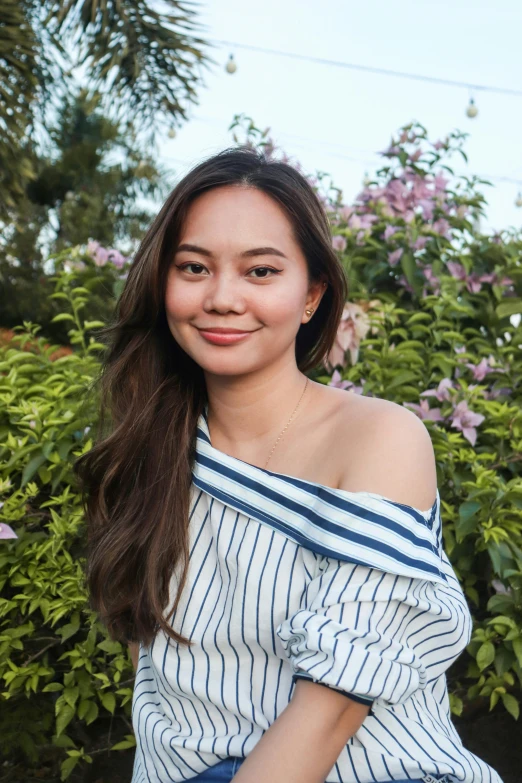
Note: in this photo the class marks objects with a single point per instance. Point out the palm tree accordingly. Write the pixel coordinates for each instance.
(141, 61)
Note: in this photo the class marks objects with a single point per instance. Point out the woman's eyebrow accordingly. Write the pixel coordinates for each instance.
(256, 251)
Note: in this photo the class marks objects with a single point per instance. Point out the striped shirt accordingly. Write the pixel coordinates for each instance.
(291, 579)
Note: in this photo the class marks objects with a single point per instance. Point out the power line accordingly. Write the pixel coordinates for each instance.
(372, 69)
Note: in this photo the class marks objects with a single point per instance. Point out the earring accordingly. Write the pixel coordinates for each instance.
(309, 312)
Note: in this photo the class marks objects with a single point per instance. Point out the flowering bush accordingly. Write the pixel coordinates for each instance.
(25, 293)
(430, 324)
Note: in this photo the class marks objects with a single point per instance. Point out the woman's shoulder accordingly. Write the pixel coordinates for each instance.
(382, 447)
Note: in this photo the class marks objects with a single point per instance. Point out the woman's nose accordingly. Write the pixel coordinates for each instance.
(224, 294)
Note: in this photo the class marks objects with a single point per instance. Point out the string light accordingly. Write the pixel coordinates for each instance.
(371, 69)
(231, 66)
(472, 110)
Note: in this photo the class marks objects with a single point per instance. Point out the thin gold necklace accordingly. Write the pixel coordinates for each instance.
(288, 422)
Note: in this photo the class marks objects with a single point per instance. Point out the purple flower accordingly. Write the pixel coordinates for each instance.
(6, 531)
(442, 227)
(441, 392)
(116, 257)
(427, 207)
(424, 411)
(466, 420)
(339, 243)
(480, 370)
(440, 183)
(457, 270)
(389, 231)
(346, 212)
(394, 258)
(337, 381)
(420, 243)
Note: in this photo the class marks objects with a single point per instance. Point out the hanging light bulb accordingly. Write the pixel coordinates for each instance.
(172, 133)
(472, 110)
(231, 66)
(518, 200)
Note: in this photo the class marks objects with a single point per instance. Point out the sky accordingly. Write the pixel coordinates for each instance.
(336, 120)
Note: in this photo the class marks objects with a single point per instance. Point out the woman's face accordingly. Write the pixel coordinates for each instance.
(243, 270)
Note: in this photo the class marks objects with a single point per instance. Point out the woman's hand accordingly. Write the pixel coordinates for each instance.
(305, 741)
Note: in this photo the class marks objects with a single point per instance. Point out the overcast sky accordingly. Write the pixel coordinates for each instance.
(335, 119)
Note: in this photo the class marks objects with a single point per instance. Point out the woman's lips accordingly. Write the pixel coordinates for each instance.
(223, 338)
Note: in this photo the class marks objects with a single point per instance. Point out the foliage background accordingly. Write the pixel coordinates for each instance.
(428, 325)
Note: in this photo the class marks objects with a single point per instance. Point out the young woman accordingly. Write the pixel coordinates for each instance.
(269, 546)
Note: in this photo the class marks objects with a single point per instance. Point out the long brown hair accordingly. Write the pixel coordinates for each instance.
(135, 481)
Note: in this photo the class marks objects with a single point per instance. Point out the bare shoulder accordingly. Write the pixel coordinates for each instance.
(383, 447)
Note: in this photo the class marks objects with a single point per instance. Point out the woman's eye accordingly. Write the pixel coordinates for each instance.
(265, 269)
(186, 266)
(262, 269)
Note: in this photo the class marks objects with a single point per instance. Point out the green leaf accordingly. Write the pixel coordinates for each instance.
(485, 655)
(517, 649)
(71, 695)
(31, 468)
(108, 700)
(93, 324)
(67, 767)
(62, 317)
(467, 520)
(511, 704)
(65, 716)
(508, 308)
(128, 742)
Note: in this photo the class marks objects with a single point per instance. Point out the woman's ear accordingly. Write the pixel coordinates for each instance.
(315, 294)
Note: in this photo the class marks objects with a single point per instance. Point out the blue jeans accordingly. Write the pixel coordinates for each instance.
(224, 771)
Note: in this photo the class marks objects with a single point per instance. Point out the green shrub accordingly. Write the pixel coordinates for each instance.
(442, 331)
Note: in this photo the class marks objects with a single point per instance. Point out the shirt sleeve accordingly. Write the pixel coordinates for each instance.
(375, 635)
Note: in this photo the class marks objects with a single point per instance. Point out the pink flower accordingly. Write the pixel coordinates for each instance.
(420, 243)
(116, 257)
(6, 531)
(432, 279)
(352, 329)
(424, 411)
(466, 420)
(337, 381)
(339, 243)
(389, 231)
(348, 385)
(442, 227)
(427, 207)
(441, 392)
(394, 258)
(457, 270)
(440, 182)
(480, 370)
(346, 212)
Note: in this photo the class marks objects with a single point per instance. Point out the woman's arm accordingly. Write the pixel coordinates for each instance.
(134, 652)
(305, 741)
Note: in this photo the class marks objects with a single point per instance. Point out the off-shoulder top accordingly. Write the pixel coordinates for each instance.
(292, 579)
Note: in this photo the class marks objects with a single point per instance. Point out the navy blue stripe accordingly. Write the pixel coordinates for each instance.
(349, 535)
